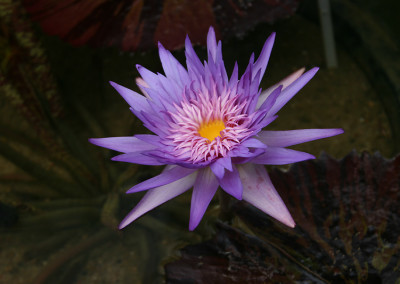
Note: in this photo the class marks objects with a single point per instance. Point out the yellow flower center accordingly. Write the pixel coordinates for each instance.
(212, 129)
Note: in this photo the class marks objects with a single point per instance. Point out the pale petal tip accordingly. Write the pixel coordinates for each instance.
(124, 223)
(290, 223)
(286, 219)
(283, 216)
(296, 74)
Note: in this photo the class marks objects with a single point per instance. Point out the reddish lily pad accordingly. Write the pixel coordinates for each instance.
(348, 227)
(139, 24)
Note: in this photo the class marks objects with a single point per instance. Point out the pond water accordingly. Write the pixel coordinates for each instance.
(62, 198)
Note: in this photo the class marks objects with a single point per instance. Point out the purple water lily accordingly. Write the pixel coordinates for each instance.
(208, 131)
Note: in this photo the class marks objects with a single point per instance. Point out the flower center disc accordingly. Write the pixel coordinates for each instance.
(211, 130)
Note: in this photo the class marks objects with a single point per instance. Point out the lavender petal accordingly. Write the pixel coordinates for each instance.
(167, 176)
(232, 184)
(138, 158)
(203, 191)
(259, 191)
(285, 83)
(281, 156)
(122, 144)
(292, 90)
(135, 100)
(262, 61)
(219, 166)
(271, 99)
(293, 137)
(157, 196)
(172, 68)
(212, 45)
(254, 143)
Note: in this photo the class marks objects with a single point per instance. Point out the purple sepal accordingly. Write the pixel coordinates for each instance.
(262, 61)
(203, 191)
(281, 156)
(165, 177)
(138, 158)
(135, 100)
(294, 137)
(232, 184)
(157, 196)
(292, 90)
(122, 144)
(259, 191)
(219, 166)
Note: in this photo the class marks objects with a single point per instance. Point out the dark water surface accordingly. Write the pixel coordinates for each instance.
(62, 198)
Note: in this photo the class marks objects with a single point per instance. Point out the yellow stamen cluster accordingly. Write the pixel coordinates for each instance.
(212, 129)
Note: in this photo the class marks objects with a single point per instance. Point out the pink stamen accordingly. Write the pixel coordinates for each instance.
(207, 106)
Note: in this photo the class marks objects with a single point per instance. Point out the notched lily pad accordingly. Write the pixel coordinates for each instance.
(138, 24)
(348, 228)
(234, 257)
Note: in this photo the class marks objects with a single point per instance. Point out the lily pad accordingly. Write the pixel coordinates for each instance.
(133, 25)
(347, 215)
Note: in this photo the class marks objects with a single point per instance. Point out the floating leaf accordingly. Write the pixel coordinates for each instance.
(140, 24)
(348, 227)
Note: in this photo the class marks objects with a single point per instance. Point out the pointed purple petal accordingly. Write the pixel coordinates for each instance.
(259, 191)
(203, 191)
(157, 196)
(243, 156)
(217, 169)
(138, 158)
(292, 90)
(165, 177)
(262, 61)
(234, 77)
(232, 184)
(135, 100)
(266, 120)
(149, 138)
(149, 121)
(226, 163)
(271, 99)
(219, 166)
(172, 68)
(122, 144)
(281, 156)
(149, 77)
(194, 65)
(293, 137)
(253, 143)
(285, 83)
(211, 44)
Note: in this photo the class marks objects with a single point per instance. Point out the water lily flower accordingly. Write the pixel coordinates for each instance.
(208, 132)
